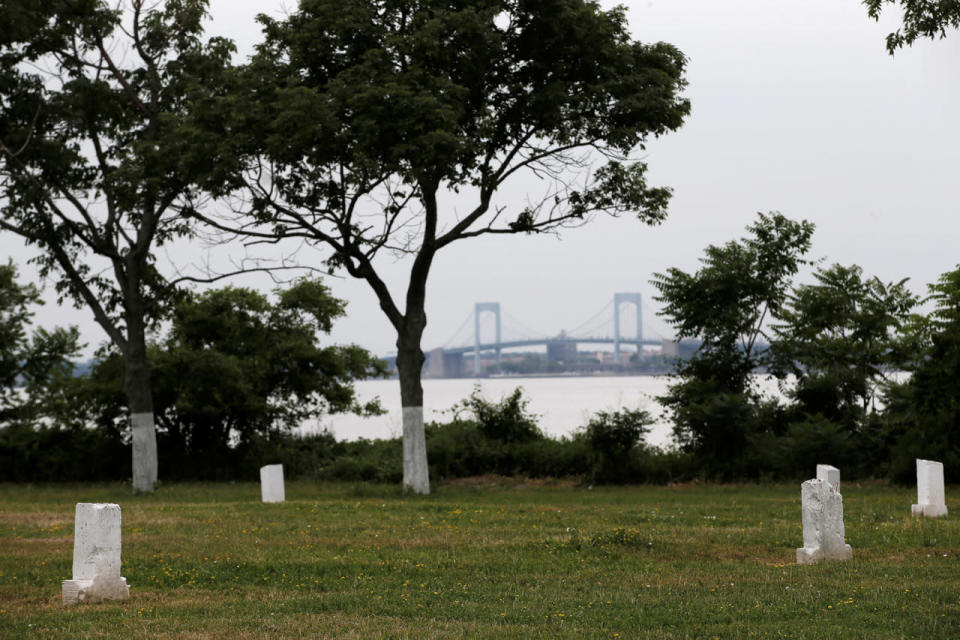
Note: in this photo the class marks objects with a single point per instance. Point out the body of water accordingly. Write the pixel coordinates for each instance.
(563, 404)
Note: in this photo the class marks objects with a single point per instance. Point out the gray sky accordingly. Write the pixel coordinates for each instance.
(797, 107)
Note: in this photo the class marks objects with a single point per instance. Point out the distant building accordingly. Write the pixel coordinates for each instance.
(443, 365)
(562, 352)
(669, 349)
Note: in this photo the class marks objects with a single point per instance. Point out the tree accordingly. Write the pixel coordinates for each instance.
(839, 338)
(357, 119)
(94, 164)
(921, 19)
(836, 342)
(923, 412)
(727, 304)
(235, 368)
(28, 365)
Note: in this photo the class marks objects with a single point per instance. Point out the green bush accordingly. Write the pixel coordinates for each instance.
(614, 440)
(48, 454)
(461, 448)
(507, 420)
(506, 442)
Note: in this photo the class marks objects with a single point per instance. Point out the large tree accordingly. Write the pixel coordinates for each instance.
(921, 19)
(93, 162)
(728, 304)
(358, 119)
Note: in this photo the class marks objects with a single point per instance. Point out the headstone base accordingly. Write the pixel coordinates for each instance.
(812, 556)
(928, 510)
(76, 591)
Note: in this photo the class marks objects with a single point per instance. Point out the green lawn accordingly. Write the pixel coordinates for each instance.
(513, 561)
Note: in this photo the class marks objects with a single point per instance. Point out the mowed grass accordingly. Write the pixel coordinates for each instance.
(506, 561)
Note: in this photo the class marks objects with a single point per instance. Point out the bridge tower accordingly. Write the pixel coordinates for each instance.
(621, 299)
(480, 307)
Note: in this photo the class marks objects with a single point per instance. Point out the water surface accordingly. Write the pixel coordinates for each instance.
(563, 404)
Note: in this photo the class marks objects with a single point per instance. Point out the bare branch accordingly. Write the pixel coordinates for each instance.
(270, 271)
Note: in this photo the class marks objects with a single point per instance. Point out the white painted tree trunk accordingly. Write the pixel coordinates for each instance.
(144, 452)
(416, 473)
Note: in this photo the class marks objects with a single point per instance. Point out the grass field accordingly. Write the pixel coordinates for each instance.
(480, 561)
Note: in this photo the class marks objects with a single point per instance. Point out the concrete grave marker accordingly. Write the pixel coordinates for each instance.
(96, 556)
(271, 483)
(830, 475)
(822, 524)
(930, 493)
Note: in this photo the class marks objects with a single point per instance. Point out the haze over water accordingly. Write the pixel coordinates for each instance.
(563, 404)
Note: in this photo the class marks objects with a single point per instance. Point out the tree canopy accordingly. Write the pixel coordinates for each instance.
(29, 364)
(740, 287)
(839, 338)
(921, 19)
(235, 367)
(924, 410)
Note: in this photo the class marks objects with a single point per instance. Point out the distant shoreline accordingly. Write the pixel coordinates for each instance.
(571, 374)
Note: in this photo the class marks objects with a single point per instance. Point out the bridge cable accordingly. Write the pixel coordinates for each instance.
(591, 319)
(520, 327)
(456, 334)
(600, 329)
(648, 326)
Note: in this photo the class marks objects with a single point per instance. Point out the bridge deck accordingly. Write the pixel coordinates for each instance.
(492, 346)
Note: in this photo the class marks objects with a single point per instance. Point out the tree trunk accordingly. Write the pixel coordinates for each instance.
(416, 473)
(140, 401)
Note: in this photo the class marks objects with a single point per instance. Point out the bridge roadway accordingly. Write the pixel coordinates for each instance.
(493, 346)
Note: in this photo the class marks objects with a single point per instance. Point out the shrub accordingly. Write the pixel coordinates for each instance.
(49, 454)
(612, 439)
(461, 448)
(507, 420)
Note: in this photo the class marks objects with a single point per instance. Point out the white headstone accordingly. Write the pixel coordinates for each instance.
(96, 556)
(271, 483)
(830, 475)
(930, 493)
(822, 524)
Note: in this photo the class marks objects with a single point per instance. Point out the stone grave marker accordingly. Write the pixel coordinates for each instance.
(930, 493)
(823, 534)
(830, 475)
(96, 556)
(271, 483)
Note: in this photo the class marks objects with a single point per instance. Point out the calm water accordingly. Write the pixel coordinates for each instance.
(563, 404)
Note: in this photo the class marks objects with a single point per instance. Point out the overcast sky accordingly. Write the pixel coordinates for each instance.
(797, 108)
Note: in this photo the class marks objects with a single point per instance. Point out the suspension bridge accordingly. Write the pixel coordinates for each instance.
(619, 323)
